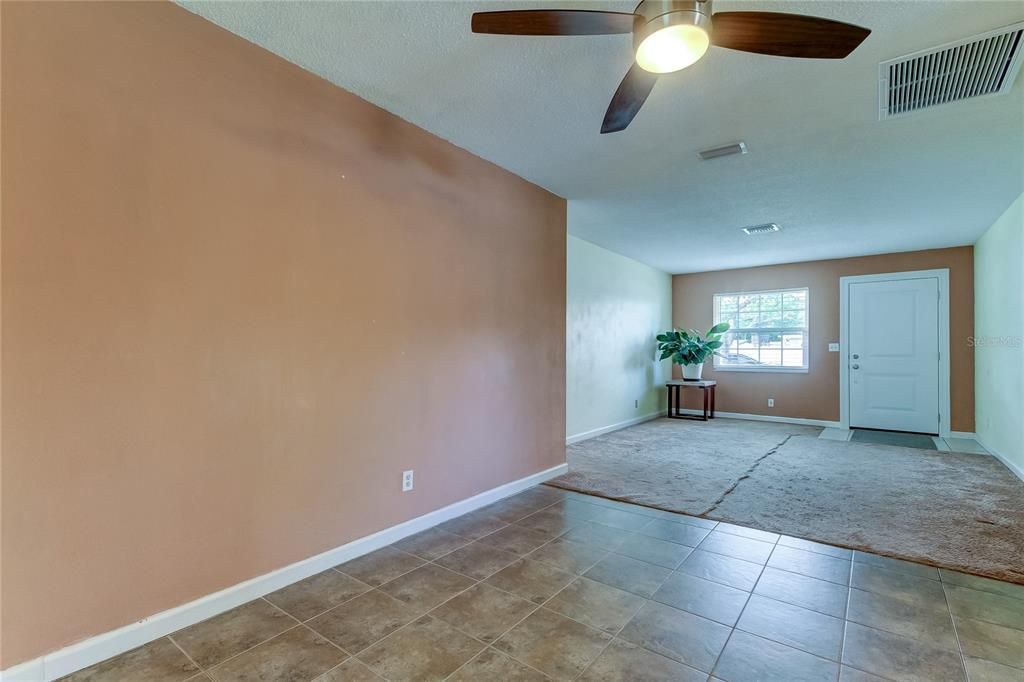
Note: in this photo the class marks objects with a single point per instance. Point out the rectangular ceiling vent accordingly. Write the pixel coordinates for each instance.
(762, 229)
(726, 150)
(985, 64)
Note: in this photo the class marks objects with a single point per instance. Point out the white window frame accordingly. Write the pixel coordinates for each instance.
(806, 331)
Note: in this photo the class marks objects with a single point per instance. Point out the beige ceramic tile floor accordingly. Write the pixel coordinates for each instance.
(554, 585)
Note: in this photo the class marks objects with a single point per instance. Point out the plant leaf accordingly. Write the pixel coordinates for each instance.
(719, 328)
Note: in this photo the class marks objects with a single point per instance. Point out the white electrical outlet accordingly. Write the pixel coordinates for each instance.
(771, 402)
(406, 481)
(833, 348)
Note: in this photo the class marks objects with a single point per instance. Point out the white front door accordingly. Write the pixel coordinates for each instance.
(894, 355)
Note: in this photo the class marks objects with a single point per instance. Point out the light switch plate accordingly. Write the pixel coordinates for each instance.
(833, 348)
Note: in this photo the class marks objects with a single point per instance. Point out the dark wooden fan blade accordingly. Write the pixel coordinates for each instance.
(785, 35)
(553, 22)
(627, 100)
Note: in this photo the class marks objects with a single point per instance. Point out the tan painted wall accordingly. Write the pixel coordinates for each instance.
(237, 303)
(815, 395)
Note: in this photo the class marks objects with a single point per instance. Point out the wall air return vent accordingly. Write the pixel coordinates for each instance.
(982, 65)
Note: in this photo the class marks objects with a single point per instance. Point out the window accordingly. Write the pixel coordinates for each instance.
(767, 331)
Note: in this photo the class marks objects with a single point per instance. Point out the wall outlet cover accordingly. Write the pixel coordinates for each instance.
(406, 481)
(771, 402)
(833, 348)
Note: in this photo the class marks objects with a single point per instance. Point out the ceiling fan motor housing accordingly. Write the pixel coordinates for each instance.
(654, 15)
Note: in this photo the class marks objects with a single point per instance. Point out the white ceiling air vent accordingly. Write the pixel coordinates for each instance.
(762, 229)
(985, 64)
(726, 150)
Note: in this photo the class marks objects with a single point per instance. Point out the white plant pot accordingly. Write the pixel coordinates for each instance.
(692, 372)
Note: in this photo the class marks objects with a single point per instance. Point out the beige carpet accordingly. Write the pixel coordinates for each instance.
(953, 510)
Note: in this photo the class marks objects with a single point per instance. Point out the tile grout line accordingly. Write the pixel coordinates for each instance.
(406, 625)
(786, 644)
(264, 641)
(956, 634)
(732, 630)
(647, 600)
(537, 608)
(432, 609)
(476, 582)
(614, 637)
(242, 653)
(846, 614)
(178, 646)
(336, 646)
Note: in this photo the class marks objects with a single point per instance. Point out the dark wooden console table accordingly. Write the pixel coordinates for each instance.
(706, 387)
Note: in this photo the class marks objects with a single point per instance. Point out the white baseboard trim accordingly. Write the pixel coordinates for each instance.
(101, 647)
(769, 418)
(1016, 470)
(967, 435)
(594, 433)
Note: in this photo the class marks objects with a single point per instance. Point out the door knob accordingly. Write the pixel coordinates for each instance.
(855, 356)
(856, 366)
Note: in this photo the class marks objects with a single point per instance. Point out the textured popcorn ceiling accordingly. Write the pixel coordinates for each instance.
(840, 182)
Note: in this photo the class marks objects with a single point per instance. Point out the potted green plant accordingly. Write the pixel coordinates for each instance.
(688, 350)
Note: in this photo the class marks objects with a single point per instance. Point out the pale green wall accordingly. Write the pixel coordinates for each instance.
(615, 308)
(998, 333)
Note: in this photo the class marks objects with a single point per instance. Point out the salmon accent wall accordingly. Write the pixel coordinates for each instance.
(237, 302)
(815, 395)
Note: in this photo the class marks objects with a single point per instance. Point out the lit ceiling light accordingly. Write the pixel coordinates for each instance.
(674, 37)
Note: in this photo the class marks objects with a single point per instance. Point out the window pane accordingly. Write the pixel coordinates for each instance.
(747, 320)
(771, 349)
(771, 301)
(794, 318)
(727, 304)
(748, 303)
(794, 299)
(770, 319)
(793, 341)
(793, 358)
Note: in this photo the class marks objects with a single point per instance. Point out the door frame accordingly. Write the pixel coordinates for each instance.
(942, 274)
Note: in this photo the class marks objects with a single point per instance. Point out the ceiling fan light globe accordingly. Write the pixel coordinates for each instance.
(672, 48)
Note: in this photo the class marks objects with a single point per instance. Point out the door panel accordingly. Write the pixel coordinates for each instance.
(894, 355)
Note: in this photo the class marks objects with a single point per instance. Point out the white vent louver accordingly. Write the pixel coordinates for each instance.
(985, 64)
(726, 150)
(766, 228)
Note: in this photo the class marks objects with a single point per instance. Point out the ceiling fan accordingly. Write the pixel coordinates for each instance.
(669, 35)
